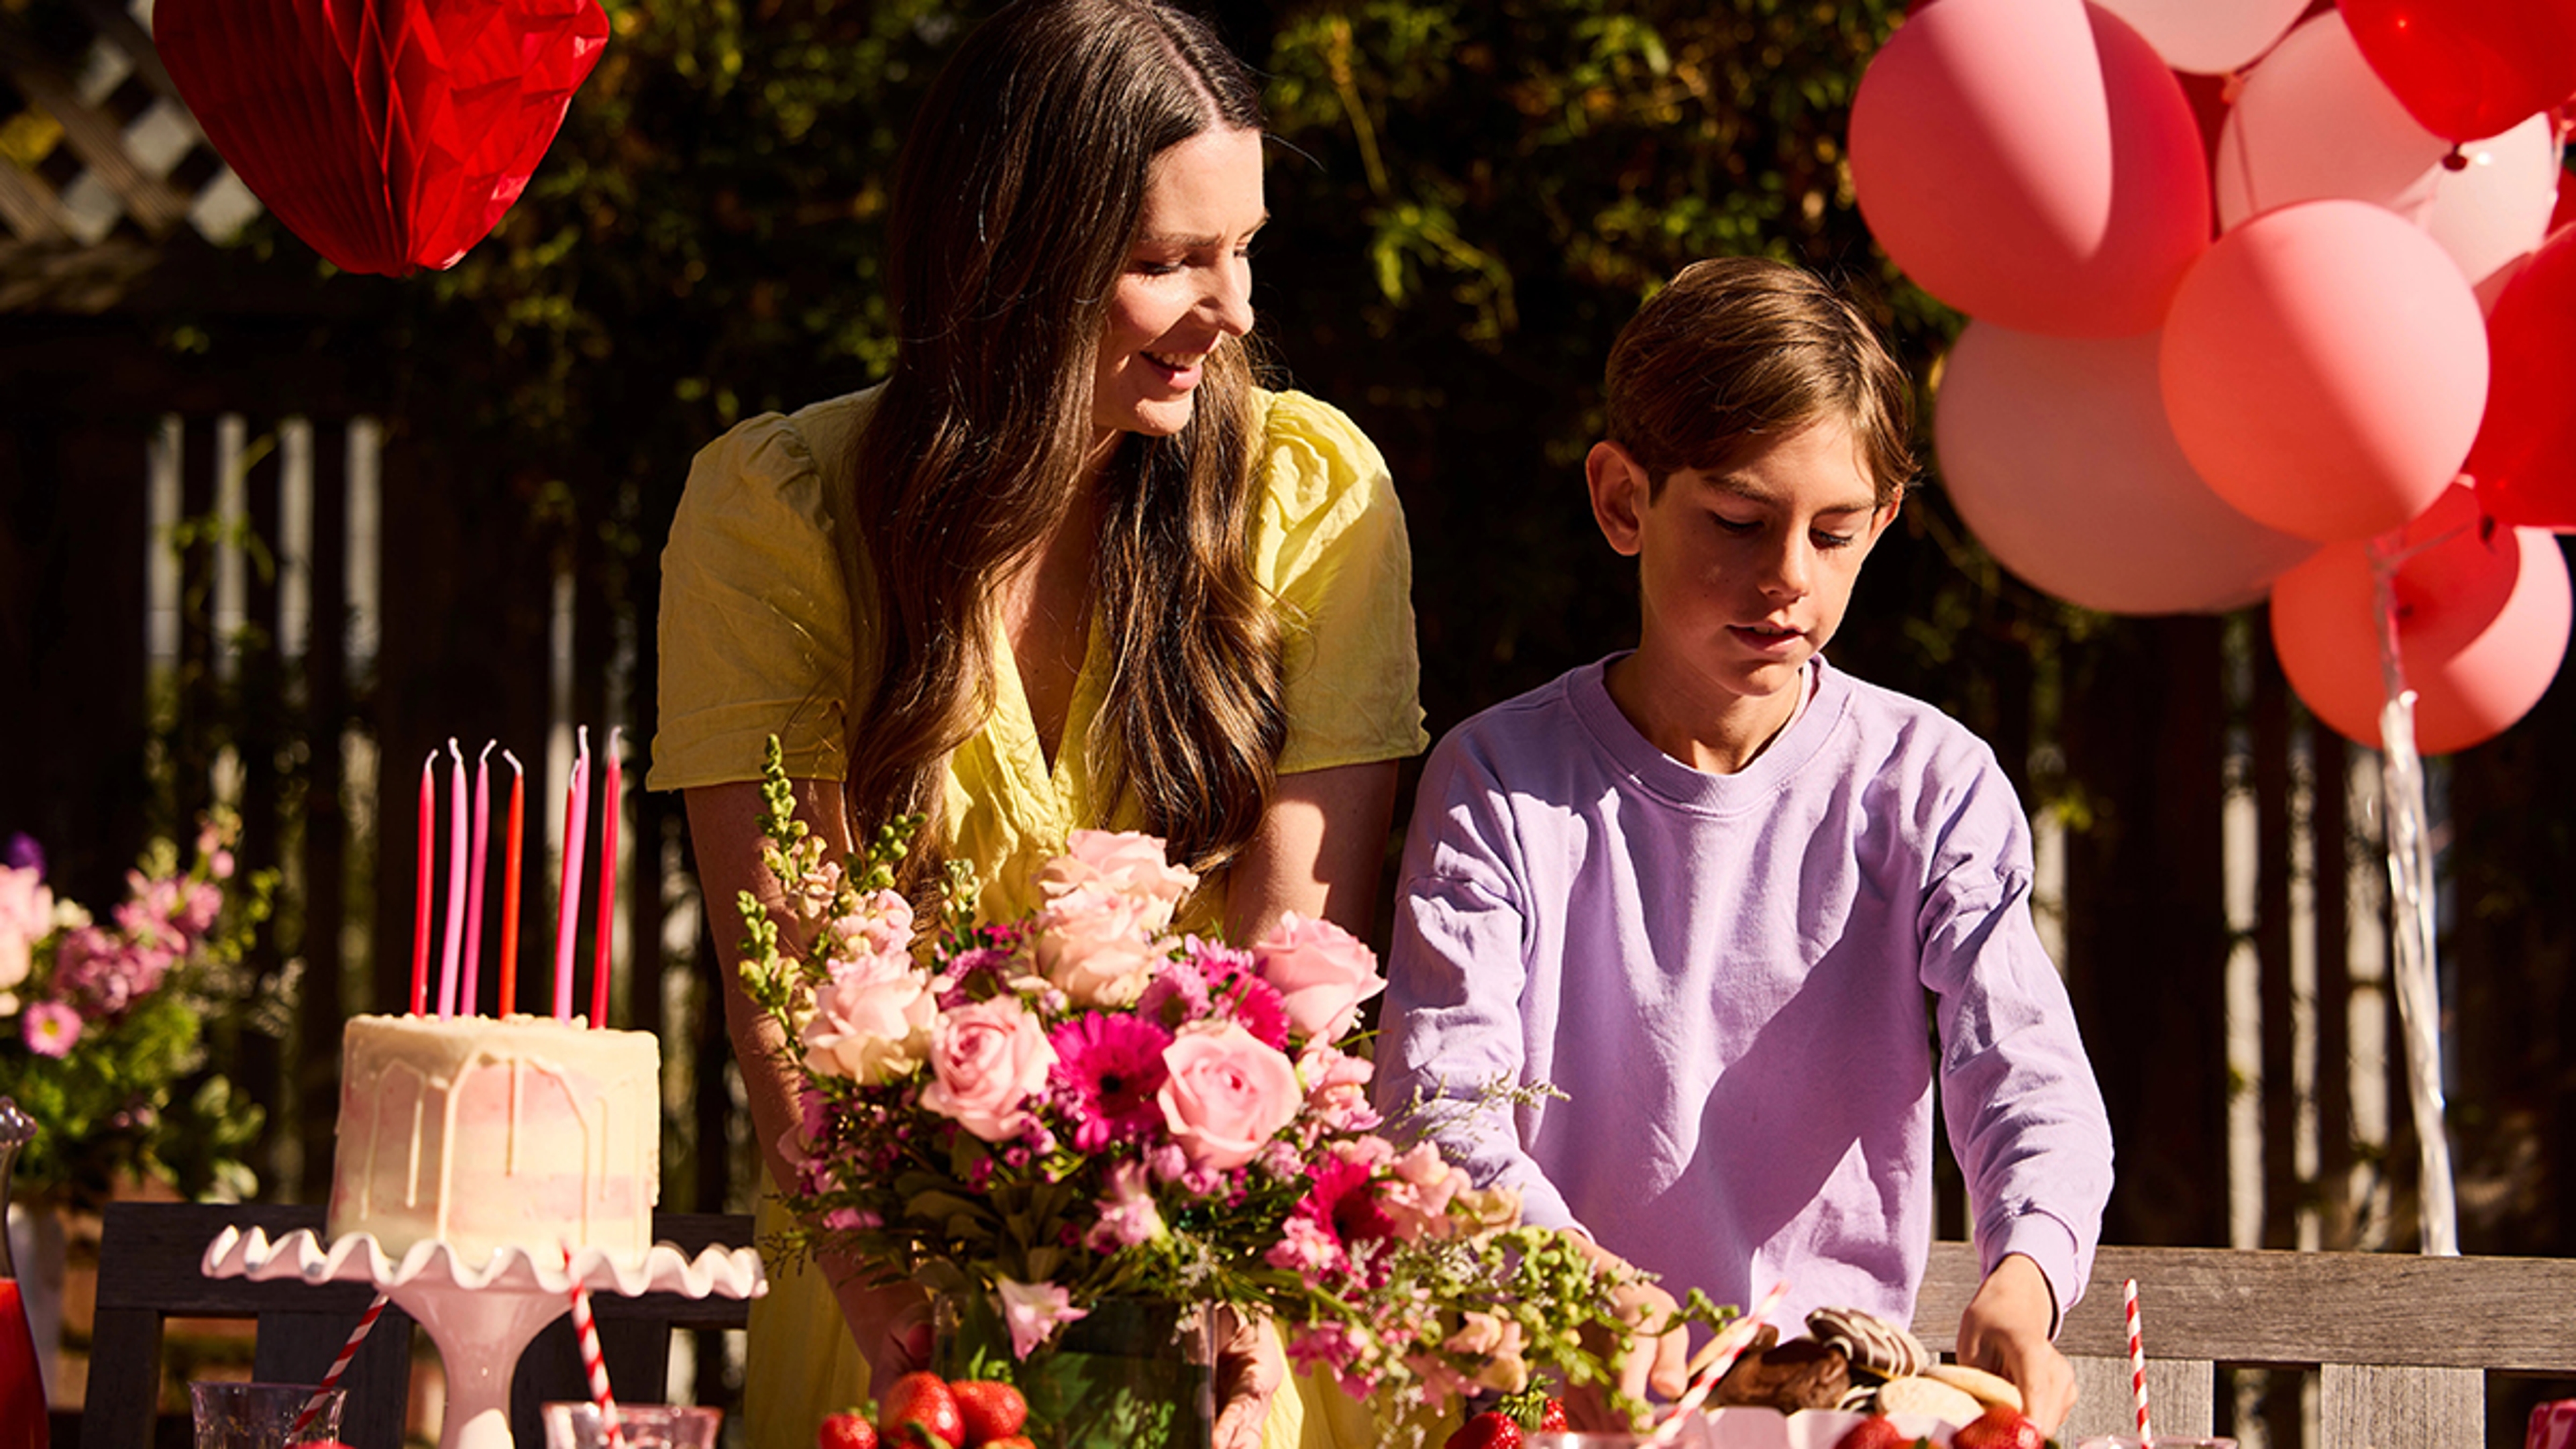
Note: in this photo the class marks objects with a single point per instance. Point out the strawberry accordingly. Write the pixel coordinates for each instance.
(846, 1431)
(918, 1412)
(1875, 1432)
(2000, 1428)
(992, 1410)
(1487, 1431)
(1010, 1441)
(1552, 1420)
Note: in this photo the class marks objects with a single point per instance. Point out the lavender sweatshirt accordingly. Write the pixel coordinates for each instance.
(1728, 977)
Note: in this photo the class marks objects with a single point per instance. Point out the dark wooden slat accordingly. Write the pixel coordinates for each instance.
(326, 827)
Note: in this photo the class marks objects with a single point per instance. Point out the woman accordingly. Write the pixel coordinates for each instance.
(1066, 567)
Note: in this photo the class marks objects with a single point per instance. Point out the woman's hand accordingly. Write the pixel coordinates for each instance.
(2005, 1331)
(1250, 1367)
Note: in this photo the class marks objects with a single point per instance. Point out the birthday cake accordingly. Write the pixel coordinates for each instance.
(486, 1134)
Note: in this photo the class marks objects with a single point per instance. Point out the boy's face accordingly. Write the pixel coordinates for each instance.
(1744, 572)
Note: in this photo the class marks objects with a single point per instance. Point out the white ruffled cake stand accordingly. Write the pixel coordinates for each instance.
(481, 1318)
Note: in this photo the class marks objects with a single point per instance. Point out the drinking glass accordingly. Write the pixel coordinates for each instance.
(234, 1415)
(644, 1426)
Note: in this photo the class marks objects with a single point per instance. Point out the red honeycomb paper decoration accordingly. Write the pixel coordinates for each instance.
(388, 134)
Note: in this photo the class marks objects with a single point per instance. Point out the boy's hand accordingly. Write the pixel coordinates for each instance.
(2005, 1331)
(1659, 1364)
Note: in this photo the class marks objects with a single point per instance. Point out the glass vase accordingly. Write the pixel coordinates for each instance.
(23, 1423)
(1133, 1373)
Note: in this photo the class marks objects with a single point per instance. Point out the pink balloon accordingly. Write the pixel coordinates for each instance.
(2208, 37)
(2031, 162)
(2057, 453)
(2314, 120)
(2482, 625)
(2325, 367)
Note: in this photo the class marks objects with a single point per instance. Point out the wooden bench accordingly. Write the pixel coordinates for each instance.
(2401, 1344)
(149, 1270)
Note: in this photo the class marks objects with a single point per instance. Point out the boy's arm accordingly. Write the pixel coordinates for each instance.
(1450, 1026)
(2025, 1118)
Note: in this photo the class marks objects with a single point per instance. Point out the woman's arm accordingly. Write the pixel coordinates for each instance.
(1319, 852)
(890, 1324)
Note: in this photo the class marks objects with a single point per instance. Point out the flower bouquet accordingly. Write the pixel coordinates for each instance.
(1082, 1117)
(102, 1023)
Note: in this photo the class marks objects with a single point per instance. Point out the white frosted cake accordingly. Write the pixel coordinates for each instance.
(526, 1132)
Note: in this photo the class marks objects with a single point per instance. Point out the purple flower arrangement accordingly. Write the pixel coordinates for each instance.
(102, 1022)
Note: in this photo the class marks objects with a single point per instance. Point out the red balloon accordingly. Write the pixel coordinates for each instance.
(2482, 618)
(2033, 163)
(2525, 457)
(389, 134)
(2469, 69)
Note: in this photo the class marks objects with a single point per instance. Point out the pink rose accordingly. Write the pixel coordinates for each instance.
(1337, 1088)
(1120, 863)
(1096, 947)
(870, 1022)
(985, 1060)
(1227, 1095)
(1321, 971)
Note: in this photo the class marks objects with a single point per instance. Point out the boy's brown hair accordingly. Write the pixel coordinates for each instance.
(1738, 352)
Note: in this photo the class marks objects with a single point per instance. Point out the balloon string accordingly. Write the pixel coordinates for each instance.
(2410, 883)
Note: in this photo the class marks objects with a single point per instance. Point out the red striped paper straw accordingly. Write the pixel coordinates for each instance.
(1721, 1355)
(593, 1362)
(2137, 1355)
(339, 1366)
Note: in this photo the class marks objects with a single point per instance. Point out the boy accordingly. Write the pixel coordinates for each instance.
(1704, 887)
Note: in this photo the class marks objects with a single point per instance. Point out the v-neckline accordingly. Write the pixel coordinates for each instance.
(1024, 750)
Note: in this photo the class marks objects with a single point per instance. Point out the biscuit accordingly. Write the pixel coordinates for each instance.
(1918, 1395)
(1976, 1383)
(1874, 1344)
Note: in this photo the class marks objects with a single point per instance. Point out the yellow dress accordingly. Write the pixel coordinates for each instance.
(756, 640)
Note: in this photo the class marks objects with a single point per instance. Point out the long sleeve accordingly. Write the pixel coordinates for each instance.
(1455, 972)
(2024, 1115)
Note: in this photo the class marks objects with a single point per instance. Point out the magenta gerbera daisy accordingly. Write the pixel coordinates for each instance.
(1258, 1008)
(1107, 1070)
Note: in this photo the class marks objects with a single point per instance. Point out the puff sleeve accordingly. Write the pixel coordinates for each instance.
(755, 624)
(1330, 546)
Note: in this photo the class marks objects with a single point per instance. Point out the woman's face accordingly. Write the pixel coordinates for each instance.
(1187, 284)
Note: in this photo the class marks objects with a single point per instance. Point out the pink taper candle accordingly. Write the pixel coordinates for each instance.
(469, 994)
(607, 886)
(454, 953)
(568, 893)
(508, 1000)
(420, 887)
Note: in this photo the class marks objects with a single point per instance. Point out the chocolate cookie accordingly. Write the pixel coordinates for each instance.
(1799, 1374)
(1873, 1344)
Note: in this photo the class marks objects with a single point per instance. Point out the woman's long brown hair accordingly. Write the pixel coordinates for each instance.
(1016, 201)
